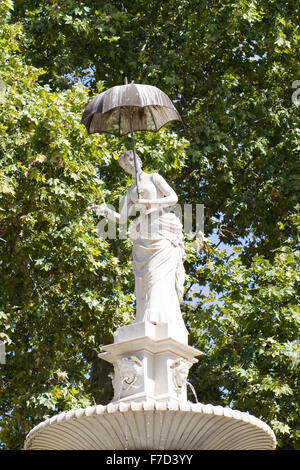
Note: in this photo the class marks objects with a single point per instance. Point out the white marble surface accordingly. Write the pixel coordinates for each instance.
(152, 425)
(149, 362)
(158, 251)
(156, 332)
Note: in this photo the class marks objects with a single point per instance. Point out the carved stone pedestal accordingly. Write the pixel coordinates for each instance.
(150, 362)
(150, 408)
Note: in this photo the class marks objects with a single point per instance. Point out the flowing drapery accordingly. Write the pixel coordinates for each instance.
(158, 255)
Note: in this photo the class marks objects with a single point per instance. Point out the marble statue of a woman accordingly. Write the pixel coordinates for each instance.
(158, 250)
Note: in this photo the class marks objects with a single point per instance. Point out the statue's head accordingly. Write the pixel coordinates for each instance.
(126, 161)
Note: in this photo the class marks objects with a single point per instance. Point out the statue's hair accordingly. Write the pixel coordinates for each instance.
(127, 154)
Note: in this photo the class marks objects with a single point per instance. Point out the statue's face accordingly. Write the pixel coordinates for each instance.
(128, 164)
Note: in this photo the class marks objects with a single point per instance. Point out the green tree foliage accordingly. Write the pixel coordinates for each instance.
(229, 66)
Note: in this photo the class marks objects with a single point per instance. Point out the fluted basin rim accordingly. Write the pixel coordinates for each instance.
(150, 406)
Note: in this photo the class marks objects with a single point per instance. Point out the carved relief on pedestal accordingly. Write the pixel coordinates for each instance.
(180, 371)
(131, 375)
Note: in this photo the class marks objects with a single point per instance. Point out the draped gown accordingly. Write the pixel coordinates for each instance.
(158, 255)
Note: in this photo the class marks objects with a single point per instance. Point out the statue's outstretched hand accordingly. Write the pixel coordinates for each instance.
(99, 210)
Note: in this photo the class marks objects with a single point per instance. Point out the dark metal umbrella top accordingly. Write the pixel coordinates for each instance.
(111, 111)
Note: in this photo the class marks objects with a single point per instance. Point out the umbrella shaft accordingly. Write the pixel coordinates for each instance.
(134, 158)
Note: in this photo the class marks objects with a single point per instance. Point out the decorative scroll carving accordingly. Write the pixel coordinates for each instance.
(131, 373)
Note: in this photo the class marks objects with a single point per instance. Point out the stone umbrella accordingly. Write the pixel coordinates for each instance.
(127, 108)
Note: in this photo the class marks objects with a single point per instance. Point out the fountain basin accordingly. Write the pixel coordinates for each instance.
(154, 425)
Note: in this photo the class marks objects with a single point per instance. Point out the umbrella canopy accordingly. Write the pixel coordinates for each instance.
(127, 108)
